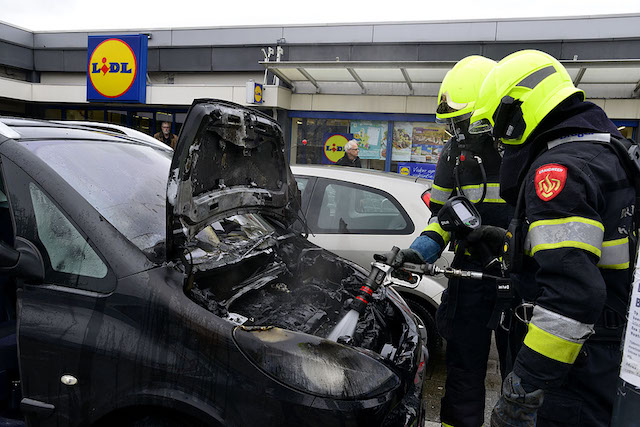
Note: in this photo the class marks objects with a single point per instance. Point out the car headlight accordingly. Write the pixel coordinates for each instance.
(314, 365)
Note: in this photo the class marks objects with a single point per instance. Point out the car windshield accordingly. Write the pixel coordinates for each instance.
(125, 182)
(230, 240)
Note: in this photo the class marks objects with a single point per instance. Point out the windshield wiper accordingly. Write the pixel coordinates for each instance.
(260, 241)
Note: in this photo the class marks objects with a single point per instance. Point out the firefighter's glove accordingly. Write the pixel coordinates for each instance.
(404, 255)
(517, 407)
(485, 243)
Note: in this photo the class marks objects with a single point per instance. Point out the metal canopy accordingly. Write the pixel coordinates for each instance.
(619, 78)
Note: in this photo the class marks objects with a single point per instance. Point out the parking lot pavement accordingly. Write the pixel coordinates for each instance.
(436, 374)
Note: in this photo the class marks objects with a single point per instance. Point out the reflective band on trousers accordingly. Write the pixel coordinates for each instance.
(571, 232)
(434, 226)
(556, 336)
(474, 193)
(615, 254)
(440, 194)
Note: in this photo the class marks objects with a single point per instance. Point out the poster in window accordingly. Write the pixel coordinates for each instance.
(369, 136)
(427, 142)
(402, 137)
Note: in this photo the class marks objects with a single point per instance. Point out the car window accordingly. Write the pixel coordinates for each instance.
(302, 185)
(68, 251)
(126, 183)
(348, 208)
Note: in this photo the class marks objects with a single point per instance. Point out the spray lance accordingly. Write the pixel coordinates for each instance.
(457, 214)
(379, 272)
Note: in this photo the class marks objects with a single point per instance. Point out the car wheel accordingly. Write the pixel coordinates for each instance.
(419, 308)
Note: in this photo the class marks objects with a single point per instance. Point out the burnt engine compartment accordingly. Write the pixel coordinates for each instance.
(300, 287)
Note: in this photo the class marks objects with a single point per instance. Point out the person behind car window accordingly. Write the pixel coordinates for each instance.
(166, 136)
(350, 157)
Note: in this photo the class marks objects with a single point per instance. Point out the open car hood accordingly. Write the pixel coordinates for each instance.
(229, 160)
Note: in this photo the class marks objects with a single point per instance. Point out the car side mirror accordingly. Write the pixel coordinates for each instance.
(23, 261)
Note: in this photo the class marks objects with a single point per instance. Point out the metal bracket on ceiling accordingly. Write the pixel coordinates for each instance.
(308, 77)
(357, 78)
(579, 76)
(636, 91)
(407, 79)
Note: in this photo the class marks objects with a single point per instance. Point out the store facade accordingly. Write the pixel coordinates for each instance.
(325, 84)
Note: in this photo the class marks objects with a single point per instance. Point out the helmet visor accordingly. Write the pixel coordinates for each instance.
(480, 127)
(448, 106)
(456, 119)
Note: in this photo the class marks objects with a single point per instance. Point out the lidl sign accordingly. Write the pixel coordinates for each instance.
(117, 68)
(333, 147)
(422, 170)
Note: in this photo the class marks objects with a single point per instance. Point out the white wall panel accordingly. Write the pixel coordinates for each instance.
(15, 89)
(622, 108)
(421, 104)
(57, 93)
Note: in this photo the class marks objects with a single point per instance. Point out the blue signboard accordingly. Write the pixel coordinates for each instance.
(117, 68)
(422, 170)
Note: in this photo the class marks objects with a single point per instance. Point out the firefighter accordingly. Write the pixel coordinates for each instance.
(569, 241)
(467, 166)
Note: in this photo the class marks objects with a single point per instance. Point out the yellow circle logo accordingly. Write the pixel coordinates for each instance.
(334, 147)
(112, 68)
(404, 171)
(257, 94)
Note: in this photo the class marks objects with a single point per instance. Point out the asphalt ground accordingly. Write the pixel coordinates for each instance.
(437, 373)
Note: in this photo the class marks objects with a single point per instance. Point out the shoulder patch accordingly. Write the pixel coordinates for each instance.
(549, 180)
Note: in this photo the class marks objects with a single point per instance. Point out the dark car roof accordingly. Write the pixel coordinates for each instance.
(30, 129)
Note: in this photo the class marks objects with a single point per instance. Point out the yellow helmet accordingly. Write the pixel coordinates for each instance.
(460, 87)
(518, 93)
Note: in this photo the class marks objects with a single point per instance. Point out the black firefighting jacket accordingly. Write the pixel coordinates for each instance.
(493, 210)
(578, 206)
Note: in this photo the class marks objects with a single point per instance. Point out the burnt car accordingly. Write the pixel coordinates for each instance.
(145, 287)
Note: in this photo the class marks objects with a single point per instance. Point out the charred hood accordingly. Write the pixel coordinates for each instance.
(229, 160)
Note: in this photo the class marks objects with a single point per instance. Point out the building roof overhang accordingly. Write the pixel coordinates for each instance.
(615, 78)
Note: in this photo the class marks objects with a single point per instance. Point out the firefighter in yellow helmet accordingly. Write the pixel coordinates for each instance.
(568, 245)
(470, 310)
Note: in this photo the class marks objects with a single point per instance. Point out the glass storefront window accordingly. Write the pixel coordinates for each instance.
(76, 115)
(309, 136)
(142, 121)
(417, 147)
(95, 115)
(180, 117)
(53, 114)
(321, 141)
(117, 117)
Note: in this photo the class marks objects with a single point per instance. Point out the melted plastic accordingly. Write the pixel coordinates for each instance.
(300, 288)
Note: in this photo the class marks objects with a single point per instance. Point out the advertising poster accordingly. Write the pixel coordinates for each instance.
(427, 142)
(421, 170)
(402, 136)
(418, 141)
(333, 146)
(369, 136)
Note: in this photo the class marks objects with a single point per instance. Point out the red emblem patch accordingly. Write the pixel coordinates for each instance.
(549, 180)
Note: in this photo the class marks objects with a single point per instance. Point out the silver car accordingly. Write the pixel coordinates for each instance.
(357, 213)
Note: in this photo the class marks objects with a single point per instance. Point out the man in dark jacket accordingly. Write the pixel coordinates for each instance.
(166, 136)
(350, 157)
(575, 203)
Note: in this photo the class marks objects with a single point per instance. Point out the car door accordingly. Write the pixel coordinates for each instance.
(356, 221)
(55, 316)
